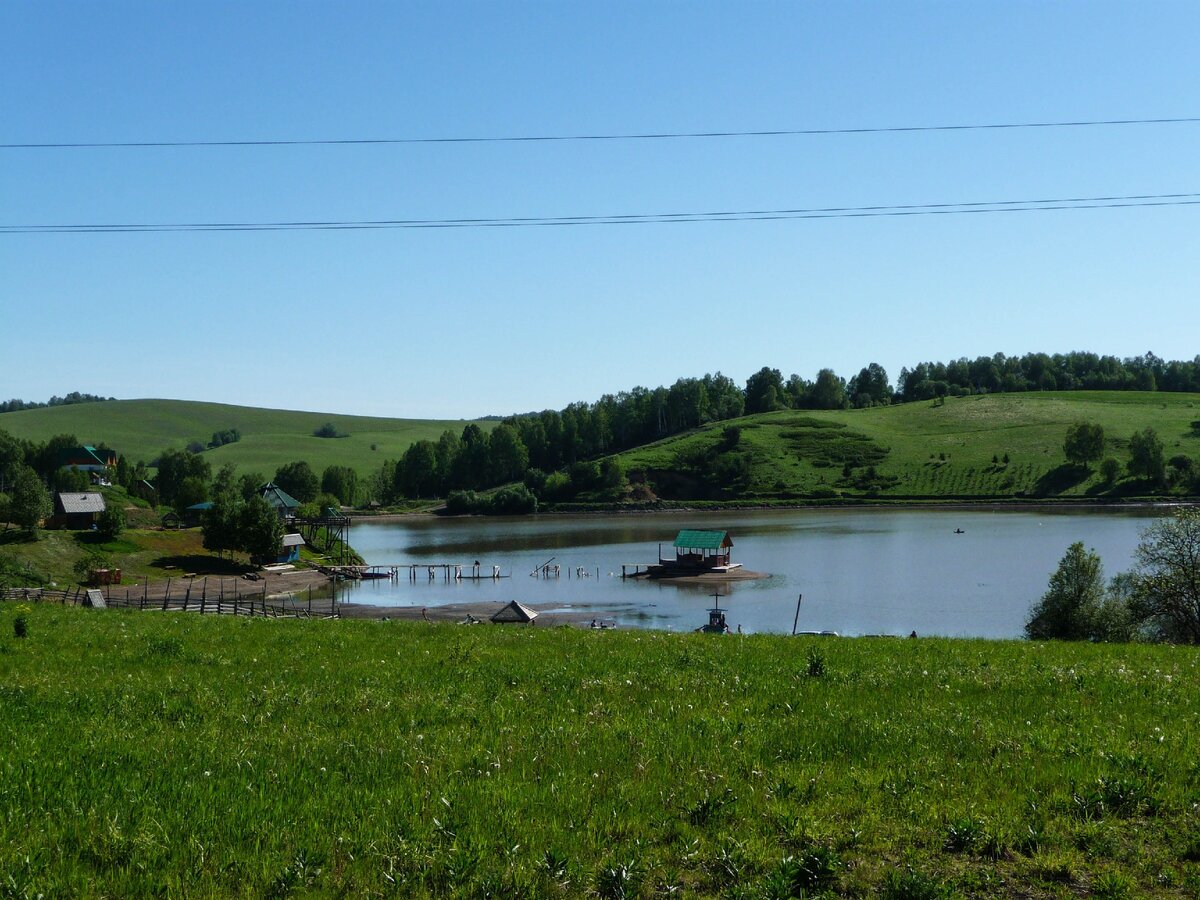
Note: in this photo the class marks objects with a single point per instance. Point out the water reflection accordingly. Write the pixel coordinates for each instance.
(860, 571)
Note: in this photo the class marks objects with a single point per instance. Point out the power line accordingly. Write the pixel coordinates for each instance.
(646, 136)
(832, 212)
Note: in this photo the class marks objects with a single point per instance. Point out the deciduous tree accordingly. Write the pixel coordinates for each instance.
(29, 502)
(1146, 457)
(299, 480)
(1167, 577)
(1084, 443)
(1070, 604)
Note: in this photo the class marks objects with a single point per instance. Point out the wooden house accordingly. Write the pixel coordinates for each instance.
(281, 501)
(76, 510)
(100, 463)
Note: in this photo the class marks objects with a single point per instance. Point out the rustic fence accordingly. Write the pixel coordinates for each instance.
(220, 602)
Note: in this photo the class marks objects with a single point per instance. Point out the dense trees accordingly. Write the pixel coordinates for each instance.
(1044, 372)
(232, 523)
(177, 466)
(299, 480)
(341, 482)
(73, 397)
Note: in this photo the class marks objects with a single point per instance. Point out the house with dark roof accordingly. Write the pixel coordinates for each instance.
(87, 459)
(76, 510)
(280, 500)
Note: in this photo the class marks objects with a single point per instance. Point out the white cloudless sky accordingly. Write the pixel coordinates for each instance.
(460, 322)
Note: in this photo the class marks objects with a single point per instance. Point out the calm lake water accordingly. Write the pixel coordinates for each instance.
(859, 571)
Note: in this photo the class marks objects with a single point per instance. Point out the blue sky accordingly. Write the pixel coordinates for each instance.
(464, 322)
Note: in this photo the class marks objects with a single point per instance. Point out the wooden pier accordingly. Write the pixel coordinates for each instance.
(414, 571)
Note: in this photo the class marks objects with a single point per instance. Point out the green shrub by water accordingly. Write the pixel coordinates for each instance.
(149, 753)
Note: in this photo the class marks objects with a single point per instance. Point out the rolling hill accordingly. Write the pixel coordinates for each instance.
(988, 446)
(141, 429)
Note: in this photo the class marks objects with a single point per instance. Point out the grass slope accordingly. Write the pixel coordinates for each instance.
(169, 754)
(800, 454)
(141, 429)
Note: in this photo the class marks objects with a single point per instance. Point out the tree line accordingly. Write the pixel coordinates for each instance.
(73, 397)
(535, 446)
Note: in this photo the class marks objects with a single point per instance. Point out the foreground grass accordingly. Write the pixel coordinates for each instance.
(166, 754)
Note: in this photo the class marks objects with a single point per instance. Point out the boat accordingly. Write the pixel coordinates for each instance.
(716, 619)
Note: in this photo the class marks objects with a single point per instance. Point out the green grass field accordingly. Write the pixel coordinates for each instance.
(926, 451)
(169, 754)
(141, 429)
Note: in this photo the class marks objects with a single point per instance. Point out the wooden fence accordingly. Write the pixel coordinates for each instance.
(220, 603)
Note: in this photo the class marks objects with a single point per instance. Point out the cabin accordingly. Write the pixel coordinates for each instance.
(280, 500)
(76, 510)
(703, 551)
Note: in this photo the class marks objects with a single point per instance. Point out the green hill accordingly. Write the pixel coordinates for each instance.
(141, 429)
(917, 450)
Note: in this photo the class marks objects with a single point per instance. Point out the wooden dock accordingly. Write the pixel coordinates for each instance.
(431, 571)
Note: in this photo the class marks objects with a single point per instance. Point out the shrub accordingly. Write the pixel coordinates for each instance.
(329, 430)
(111, 522)
(463, 503)
(21, 622)
(513, 500)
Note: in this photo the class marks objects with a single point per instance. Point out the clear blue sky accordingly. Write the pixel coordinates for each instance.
(465, 322)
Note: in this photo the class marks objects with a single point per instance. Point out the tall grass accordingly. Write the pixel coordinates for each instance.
(161, 753)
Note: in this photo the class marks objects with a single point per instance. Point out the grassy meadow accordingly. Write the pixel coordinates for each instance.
(168, 754)
(142, 429)
(931, 451)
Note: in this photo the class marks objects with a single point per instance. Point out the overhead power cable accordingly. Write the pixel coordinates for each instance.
(832, 212)
(633, 136)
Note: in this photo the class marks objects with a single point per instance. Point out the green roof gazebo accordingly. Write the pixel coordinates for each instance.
(702, 549)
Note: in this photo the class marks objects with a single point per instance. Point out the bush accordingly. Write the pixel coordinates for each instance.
(464, 503)
(512, 501)
(329, 430)
(111, 522)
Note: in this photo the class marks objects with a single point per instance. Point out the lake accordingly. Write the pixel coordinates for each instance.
(859, 571)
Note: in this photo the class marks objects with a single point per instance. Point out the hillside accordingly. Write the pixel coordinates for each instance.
(918, 450)
(141, 429)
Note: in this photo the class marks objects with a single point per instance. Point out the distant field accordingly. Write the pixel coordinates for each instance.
(921, 451)
(141, 429)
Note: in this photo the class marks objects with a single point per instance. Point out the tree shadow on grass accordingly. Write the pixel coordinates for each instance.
(201, 564)
(1061, 478)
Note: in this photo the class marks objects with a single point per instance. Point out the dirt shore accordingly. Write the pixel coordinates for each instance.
(456, 612)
